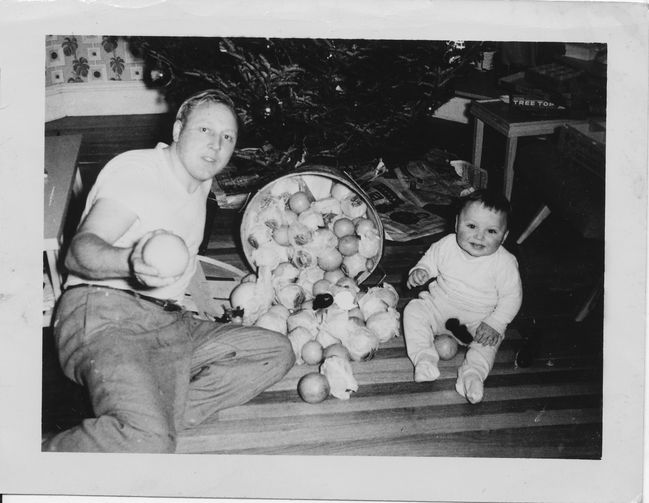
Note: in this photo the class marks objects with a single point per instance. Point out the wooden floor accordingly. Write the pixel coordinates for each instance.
(550, 408)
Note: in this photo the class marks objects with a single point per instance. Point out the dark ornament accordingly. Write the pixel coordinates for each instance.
(160, 76)
(323, 301)
(459, 331)
(267, 109)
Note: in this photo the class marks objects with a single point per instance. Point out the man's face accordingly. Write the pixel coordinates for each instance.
(480, 231)
(206, 141)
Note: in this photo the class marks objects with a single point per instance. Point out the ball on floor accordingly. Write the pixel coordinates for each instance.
(313, 387)
(446, 346)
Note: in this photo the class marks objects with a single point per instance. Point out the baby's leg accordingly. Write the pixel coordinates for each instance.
(421, 322)
(478, 362)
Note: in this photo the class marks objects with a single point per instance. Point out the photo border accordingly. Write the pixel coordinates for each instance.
(24, 469)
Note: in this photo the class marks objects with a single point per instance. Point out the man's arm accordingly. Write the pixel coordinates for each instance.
(92, 254)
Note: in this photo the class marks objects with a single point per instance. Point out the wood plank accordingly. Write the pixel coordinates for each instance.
(286, 408)
(572, 382)
(534, 396)
(302, 431)
(400, 370)
(575, 441)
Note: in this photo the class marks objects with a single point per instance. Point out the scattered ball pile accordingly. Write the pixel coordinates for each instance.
(313, 240)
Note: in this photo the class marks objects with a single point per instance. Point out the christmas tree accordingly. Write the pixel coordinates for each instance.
(312, 100)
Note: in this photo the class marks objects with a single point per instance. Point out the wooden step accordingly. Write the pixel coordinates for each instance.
(302, 432)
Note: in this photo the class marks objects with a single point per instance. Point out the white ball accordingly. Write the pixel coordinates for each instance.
(166, 252)
(446, 346)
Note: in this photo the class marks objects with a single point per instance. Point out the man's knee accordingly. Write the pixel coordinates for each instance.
(278, 352)
(146, 433)
(284, 355)
(109, 434)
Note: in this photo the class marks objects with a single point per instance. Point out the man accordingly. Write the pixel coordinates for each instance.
(152, 368)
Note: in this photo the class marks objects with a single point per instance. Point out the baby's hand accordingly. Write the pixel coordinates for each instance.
(417, 278)
(486, 335)
(144, 273)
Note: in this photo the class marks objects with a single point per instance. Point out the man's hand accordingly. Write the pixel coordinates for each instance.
(486, 335)
(417, 278)
(144, 273)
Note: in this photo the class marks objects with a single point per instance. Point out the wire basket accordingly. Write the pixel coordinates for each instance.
(317, 180)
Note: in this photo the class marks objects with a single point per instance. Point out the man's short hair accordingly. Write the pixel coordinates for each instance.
(207, 96)
(490, 199)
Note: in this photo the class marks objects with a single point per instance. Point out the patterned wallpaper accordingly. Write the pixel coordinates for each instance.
(89, 58)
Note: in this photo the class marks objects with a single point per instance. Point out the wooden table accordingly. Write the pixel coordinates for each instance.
(62, 180)
(513, 124)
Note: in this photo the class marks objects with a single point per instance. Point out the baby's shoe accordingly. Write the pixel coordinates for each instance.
(426, 371)
(470, 387)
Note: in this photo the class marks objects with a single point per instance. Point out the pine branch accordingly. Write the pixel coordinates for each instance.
(319, 97)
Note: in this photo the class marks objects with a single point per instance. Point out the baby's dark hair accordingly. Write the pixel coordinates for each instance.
(490, 199)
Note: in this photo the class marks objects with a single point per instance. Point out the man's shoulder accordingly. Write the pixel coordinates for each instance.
(133, 163)
(135, 156)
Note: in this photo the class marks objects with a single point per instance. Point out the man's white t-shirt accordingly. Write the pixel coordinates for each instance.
(143, 182)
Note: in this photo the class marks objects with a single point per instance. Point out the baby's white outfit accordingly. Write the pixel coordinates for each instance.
(472, 289)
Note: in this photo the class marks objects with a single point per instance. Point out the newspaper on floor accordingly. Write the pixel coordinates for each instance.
(405, 197)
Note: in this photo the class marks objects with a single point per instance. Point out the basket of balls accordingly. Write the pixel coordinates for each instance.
(317, 218)
(312, 237)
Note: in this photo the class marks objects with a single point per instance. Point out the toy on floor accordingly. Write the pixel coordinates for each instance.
(323, 301)
(459, 331)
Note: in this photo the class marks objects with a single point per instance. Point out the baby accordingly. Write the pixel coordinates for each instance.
(476, 282)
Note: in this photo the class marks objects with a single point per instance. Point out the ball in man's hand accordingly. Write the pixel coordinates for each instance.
(167, 252)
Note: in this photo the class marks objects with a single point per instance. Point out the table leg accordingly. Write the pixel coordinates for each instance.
(55, 277)
(77, 187)
(478, 136)
(536, 221)
(510, 155)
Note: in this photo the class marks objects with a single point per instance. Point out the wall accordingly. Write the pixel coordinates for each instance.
(83, 73)
(92, 58)
(95, 75)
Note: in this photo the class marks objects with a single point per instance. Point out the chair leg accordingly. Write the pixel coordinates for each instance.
(210, 214)
(536, 221)
(590, 301)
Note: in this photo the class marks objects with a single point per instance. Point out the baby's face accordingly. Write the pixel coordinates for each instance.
(480, 231)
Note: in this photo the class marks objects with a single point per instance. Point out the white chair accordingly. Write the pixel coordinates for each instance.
(210, 288)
